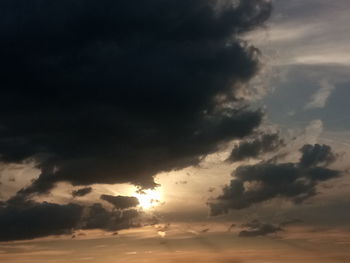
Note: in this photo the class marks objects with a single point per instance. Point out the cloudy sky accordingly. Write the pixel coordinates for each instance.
(174, 131)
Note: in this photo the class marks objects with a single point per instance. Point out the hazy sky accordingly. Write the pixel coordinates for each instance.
(175, 131)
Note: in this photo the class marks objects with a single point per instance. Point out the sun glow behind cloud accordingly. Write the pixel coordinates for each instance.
(149, 198)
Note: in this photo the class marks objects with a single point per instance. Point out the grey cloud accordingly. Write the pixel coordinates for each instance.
(20, 219)
(100, 218)
(121, 202)
(320, 98)
(254, 148)
(317, 154)
(111, 91)
(31, 220)
(255, 228)
(264, 181)
(82, 192)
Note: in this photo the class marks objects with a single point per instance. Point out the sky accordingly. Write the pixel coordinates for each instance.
(174, 131)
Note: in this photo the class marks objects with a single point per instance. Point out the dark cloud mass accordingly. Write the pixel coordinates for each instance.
(100, 218)
(121, 202)
(20, 219)
(316, 154)
(256, 228)
(30, 220)
(264, 181)
(256, 147)
(112, 91)
(82, 192)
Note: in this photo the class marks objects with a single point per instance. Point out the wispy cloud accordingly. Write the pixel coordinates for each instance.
(319, 99)
(295, 37)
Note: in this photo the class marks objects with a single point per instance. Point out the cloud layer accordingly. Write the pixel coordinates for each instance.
(256, 147)
(121, 202)
(256, 228)
(117, 91)
(21, 219)
(82, 192)
(264, 181)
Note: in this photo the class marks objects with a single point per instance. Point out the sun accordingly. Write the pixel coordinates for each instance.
(148, 198)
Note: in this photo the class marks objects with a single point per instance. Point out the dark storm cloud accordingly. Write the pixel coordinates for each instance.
(256, 228)
(316, 154)
(254, 148)
(100, 218)
(264, 181)
(30, 220)
(20, 219)
(121, 202)
(112, 91)
(82, 192)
